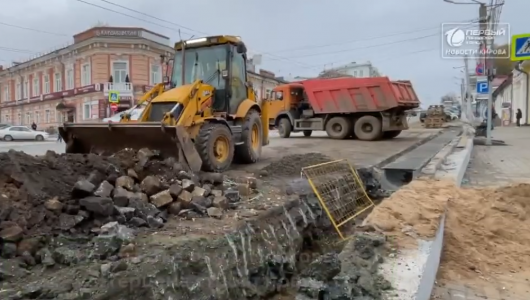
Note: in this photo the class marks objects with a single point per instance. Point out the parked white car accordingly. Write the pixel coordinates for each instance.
(11, 133)
(135, 112)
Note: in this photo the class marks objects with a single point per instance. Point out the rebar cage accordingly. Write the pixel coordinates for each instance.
(340, 191)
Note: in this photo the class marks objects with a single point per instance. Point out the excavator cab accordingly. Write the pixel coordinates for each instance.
(206, 115)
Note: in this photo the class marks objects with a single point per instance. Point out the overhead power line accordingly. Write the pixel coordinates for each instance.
(394, 55)
(127, 15)
(269, 54)
(8, 49)
(274, 57)
(365, 39)
(32, 29)
(153, 17)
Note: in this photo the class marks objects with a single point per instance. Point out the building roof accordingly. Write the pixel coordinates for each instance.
(505, 82)
(95, 32)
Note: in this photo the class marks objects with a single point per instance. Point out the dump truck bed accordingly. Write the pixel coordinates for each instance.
(349, 95)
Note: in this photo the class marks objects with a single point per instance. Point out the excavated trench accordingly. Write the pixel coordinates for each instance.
(288, 251)
(291, 251)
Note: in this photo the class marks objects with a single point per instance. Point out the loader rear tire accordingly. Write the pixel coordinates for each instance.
(252, 138)
(215, 146)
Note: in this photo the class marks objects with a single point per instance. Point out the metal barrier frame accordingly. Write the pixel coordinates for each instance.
(323, 203)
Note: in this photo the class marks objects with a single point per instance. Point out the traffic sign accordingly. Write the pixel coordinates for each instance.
(114, 97)
(520, 47)
(483, 87)
(479, 70)
(114, 107)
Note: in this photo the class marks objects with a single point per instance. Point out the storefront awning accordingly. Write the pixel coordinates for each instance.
(64, 107)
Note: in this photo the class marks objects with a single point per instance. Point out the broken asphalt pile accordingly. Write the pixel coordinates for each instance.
(77, 194)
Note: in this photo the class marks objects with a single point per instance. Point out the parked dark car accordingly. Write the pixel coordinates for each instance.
(423, 115)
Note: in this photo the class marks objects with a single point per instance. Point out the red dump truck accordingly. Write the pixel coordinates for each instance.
(364, 108)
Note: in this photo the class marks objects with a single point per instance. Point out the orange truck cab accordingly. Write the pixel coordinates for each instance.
(363, 108)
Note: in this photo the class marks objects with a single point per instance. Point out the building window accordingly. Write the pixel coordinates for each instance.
(6, 118)
(7, 94)
(18, 91)
(25, 89)
(87, 108)
(47, 116)
(28, 118)
(36, 86)
(86, 111)
(46, 84)
(156, 74)
(19, 119)
(37, 117)
(119, 71)
(59, 117)
(58, 83)
(85, 75)
(70, 78)
(355, 73)
(360, 73)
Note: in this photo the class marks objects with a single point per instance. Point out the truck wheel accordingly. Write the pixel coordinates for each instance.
(391, 134)
(368, 128)
(215, 146)
(308, 132)
(251, 136)
(338, 128)
(285, 128)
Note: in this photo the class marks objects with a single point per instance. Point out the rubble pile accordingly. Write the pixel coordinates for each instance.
(78, 194)
(78, 217)
(352, 274)
(254, 261)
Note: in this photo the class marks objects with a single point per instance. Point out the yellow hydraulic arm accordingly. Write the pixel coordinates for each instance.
(151, 94)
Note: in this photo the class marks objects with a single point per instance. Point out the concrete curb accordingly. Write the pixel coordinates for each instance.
(413, 272)
(400, 153)
(430, 269)
(436, 161)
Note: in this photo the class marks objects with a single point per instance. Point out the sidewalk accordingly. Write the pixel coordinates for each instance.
(498, 165)
(491, 166)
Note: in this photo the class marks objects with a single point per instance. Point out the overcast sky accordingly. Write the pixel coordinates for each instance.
(402, 38)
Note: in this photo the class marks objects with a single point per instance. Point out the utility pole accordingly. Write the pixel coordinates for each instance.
(486, 47)
(469, 114)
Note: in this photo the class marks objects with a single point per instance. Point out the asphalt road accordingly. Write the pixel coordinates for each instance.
(359, 152)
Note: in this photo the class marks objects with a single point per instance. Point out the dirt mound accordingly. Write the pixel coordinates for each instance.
(487, 232)
(291, 165)
(413, 211)
(26, 182)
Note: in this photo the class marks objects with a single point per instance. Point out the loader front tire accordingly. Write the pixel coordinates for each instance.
(215, 146)
(252, 137)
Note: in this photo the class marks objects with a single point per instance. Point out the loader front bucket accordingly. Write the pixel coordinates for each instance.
(109, 138)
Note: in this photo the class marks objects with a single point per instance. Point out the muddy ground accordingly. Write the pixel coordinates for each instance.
(69, 223)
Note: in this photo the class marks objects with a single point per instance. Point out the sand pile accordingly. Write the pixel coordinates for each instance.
(412, 212)
(487, 232)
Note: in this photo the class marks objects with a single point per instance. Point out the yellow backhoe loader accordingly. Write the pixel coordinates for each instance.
(206, 115)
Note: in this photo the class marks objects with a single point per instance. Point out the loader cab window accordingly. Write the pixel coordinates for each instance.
(238, 81)
(206, 63)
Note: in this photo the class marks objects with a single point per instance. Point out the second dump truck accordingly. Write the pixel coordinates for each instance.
(364, 108)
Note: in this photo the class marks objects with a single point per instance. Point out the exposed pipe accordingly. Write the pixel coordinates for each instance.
(518, 68)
